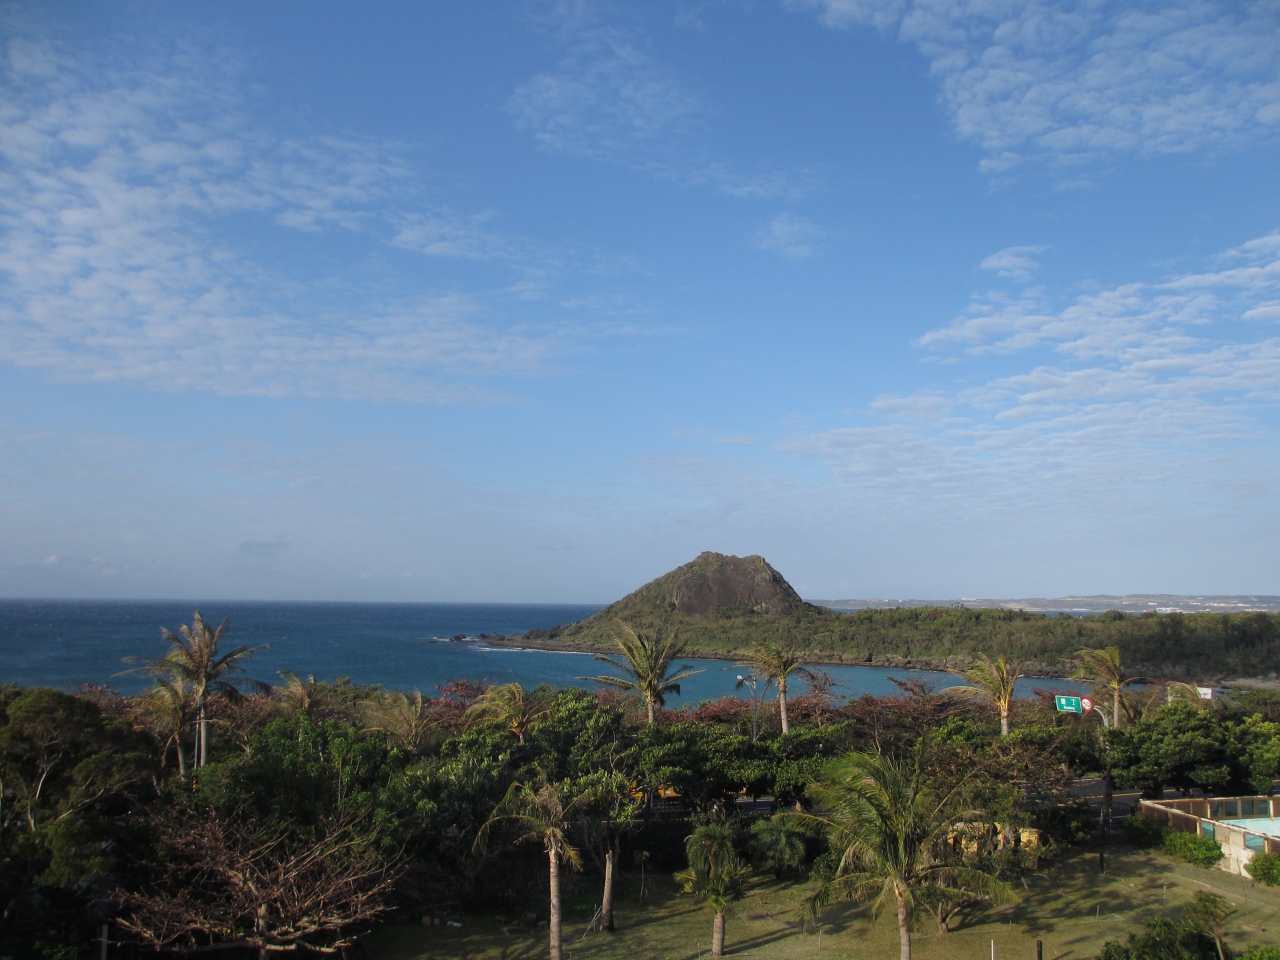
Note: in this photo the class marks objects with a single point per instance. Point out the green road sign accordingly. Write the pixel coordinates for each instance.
(1068, 704)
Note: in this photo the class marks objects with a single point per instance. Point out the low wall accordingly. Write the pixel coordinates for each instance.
(1193, 816)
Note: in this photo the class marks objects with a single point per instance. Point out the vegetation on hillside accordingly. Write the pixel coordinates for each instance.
(1193, 645)
(723, 606)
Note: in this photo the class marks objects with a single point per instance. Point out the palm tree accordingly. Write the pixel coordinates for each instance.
(193, 659)
(774, 662)
(297, 694)
(778, 843)
(890, 826)
(714, 876)
(507, 703)
(1208, 912)
(404, 719)
(647, 665)
(995, 680)
(170, 708)
(1102, 669)
(545, 817)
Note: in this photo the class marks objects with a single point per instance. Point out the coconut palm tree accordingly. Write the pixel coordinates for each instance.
(545, 815)
(169, 706)
(993, 680)
(890, 825)
(193, 659)
(506, 702)
(296, 694)
(405, 719)
(646, 664)
(714, 876)
(774, 662)
(1102, 669)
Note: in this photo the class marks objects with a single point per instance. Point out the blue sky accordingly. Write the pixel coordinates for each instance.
(535, 301)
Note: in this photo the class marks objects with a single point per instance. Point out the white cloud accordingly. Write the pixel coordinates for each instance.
(605, 98)
(609, 99)
(1081, 79)
(1133, 392)
(449, 235)
(920, 407)
(116, 189)
(1016, 263)
(789, 236)
(1135, 322)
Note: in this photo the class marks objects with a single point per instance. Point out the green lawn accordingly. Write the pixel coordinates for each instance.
(1067, 905)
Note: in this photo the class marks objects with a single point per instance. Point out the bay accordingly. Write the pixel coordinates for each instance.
(400, 646)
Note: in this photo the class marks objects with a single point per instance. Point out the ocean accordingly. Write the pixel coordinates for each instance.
(401, 646)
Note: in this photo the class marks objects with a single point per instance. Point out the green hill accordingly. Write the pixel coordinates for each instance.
(722, 605)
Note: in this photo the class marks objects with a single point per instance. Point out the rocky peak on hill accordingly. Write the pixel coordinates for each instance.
(716, 582)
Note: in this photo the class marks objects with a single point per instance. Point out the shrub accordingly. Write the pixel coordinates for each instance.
(1069, 823)
(1192, 848)
(1268, 952)
(1164, 940)
(1142, 832)
(1265, 868)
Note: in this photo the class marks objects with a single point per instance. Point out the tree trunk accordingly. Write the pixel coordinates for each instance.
(606, 905)
(652, 717)
(260, 927)
(202, 749)
(717, 936)
(1105, 817)
(1004, 722)
(555, 905)
(782, 705)
(904, 931)
(182, 756)
(1115, 722)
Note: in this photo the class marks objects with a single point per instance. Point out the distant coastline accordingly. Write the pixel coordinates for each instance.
(1095, 603)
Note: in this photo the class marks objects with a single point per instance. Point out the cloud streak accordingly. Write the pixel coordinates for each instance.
(1070, 82)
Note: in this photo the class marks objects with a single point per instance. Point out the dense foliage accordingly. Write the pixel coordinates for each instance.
(1201, 645)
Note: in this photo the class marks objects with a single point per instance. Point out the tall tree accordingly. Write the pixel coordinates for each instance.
(890, 825)
(1102, 669)
(775, 662)
(993, 680)
(646, 664)
(194, 659)
(543, 815)
(169, 706)
(508, 704)
(714, 876)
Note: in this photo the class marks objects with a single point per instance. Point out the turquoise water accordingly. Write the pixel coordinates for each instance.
(1268, 825)
(400, 646)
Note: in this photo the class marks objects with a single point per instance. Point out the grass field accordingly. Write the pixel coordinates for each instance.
(1067, 905)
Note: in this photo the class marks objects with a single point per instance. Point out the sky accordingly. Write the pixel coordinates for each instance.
(533, 301)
